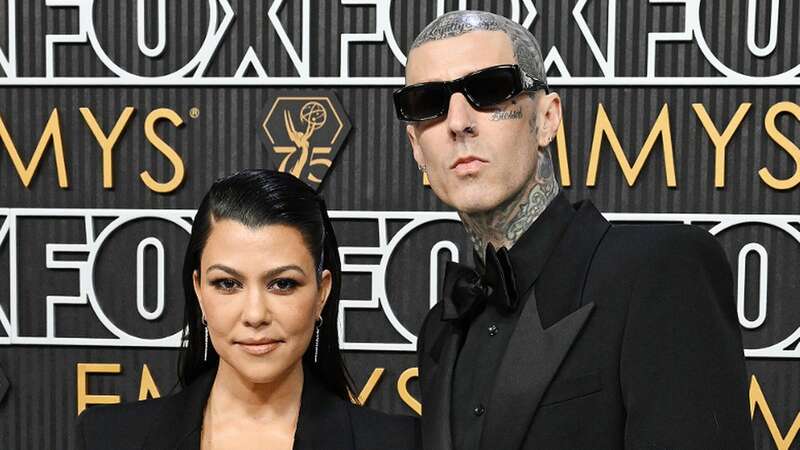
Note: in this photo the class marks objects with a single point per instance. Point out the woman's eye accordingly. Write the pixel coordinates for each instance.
(283, 284)
(225, 284)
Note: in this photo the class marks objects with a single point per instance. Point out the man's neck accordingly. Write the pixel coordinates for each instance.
(503, 226)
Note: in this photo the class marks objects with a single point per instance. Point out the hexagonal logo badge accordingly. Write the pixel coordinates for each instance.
(304, 132)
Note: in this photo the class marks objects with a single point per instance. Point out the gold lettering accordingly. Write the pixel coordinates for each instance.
(52, 132)
(780, 139)
(376, 375)
(84, 399)
(402, 389)
(107, 142)
(147, 386)
(165, 149)
(284, 150)
(757, 399)
(315, 161)
(720, 141)
(563, 159)
(660, 128)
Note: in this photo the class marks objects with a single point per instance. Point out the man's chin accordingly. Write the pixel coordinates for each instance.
(476, 205)
(469, 197)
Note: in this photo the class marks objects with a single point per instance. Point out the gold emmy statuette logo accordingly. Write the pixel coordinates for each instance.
(304, 134)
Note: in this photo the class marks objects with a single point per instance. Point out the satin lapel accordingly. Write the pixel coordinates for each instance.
(531, 360)
(437, 380)
(545, 332)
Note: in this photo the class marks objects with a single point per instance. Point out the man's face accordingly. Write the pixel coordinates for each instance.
(475, 159)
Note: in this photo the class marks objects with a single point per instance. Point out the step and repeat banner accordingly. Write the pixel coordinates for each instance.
(116, 116)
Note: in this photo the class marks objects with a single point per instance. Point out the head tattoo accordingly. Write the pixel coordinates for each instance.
(503, 225)
(455, 23)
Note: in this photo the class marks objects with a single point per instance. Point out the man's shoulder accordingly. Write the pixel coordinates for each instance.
(660, 243)
(637, 259)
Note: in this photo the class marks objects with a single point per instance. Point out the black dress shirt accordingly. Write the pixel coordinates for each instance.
(489, 331)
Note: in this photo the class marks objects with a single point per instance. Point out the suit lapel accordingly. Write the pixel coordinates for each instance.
(551, 320)
(531, 360)
(437, 380)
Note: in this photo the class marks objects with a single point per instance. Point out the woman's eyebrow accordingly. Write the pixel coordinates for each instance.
(282, 269)
(271, 273)
(224, 268)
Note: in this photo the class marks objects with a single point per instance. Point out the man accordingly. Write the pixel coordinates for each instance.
(572, 333)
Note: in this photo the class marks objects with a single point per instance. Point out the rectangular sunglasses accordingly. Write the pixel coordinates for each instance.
(482, 89)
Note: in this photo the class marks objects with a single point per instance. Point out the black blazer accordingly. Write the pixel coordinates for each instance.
(326, 422)
(628, 340)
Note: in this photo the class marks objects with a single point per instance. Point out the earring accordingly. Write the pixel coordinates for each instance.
(317, 326)
(205, 348)
(421, 168)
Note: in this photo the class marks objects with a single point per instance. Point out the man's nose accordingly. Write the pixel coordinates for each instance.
(460, 117)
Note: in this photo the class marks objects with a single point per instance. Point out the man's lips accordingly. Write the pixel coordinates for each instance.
(259, 347)
(468, 165)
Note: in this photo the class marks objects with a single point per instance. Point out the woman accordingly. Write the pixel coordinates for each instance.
(261, 367)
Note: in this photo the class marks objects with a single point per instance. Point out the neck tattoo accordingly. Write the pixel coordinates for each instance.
(504, 225)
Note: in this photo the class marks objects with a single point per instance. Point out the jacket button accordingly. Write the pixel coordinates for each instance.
(492, 330)
(479, 410)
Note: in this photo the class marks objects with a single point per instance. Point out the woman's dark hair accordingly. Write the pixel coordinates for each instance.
(256, 198)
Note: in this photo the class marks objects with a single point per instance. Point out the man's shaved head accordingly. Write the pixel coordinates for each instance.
(490, 163)
(455, 23)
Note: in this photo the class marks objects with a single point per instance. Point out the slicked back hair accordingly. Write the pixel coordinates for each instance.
(526, 48)
(256, 198)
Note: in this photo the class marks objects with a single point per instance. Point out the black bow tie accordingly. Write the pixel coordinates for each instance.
(465, 290)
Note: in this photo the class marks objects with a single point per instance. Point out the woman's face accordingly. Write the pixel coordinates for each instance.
(259, 293)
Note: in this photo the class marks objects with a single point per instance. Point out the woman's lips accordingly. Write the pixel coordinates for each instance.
(259, 348)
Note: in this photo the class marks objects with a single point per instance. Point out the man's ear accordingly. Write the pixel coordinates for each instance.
(416, 149)
(550, 114)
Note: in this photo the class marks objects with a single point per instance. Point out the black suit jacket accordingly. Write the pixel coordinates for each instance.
(326, 422)
(628, 339)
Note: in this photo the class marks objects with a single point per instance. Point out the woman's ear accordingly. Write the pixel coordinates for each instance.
(325, 285)
(196, 285)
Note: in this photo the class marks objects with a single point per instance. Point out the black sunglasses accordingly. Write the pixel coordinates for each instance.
(482, 89)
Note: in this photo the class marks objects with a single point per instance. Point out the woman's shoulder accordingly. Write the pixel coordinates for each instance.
(154, 423)
(376, 429)
(371, 417)
(124, 424)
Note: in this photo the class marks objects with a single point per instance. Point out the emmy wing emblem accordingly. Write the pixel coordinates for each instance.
(304, 134)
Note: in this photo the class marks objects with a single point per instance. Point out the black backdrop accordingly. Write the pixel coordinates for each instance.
(78, 243)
